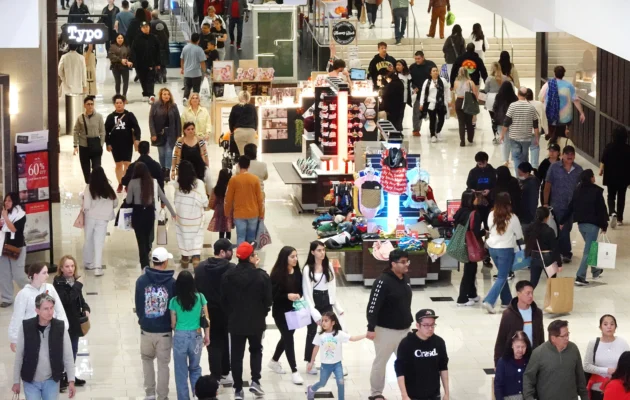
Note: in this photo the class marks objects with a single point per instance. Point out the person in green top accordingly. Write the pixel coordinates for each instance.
(188, 319)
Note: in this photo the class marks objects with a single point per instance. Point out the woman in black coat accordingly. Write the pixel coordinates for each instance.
(509, 184)
(541, 244)
(78, 8)
(467, 288)
(614, 167)
(394, 100)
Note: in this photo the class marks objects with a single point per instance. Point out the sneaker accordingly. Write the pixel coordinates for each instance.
(239, 395)
(566, 260)
(416, 133)
(504, 306)
(120, 188)
(145, 98)
(79, 382)
(620, 223)
(231, 43)
(310, 394)
(475, 299)
(433, 139)
(296, 378)
(613, 221)
(239, 47)
(440, 138)
(98, 272)
(398, 42)
(149, 398)
(227, 379)
(597, 274)
(372, 26)
(466, 304)
(313, 371)
(256, 389)
(151, 100)
(276, 367)
(185, 102)
(510, 276)
(4, 304)
(495, 141)
(462, 144)
(488, 308)
(581, 282)
(89, 267)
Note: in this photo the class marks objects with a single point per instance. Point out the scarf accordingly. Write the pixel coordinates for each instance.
(439, 97)
(15, 214)
(553, 102)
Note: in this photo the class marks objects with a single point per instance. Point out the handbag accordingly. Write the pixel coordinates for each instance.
(474, 246)
(84, 320)
(11, 251)
(262, 235)
(80, 221)
(457, 246)
(471, 105)
(162, 229)
(94, 144)
(550, 269)
(559, 295)
(520, 260)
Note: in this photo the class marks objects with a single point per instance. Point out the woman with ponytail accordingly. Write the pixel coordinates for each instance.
(541, 244)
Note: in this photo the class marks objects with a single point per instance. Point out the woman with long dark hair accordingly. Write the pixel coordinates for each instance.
(464, 84)
(454, 46)
(186, 308)
(319, 288)
(505, 97)
(190, 203)
(220, 222)
(434, 99)
(541, 244)
(394, 100)
(618, 388)
(134, 26)
(191, 148)
(509, 69)
(165, 125)
(99, 206)
(467, 213)
(508, 184)
(76, 12)
(12, 222)
(508, 379)
(505, 230)
(144, 195)
(479, 40)
(119, 63)
(588, 209)
(286, 287)
(405, 76)
(613, 167)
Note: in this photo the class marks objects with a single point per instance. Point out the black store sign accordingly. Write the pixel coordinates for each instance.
(344, 32)
(85, 33)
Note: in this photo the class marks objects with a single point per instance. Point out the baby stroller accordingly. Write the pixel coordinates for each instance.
(230, 151)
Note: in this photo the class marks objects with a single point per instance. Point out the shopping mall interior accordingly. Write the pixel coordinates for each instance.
(297, 45)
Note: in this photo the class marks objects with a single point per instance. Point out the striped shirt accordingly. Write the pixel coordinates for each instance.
(522, 115)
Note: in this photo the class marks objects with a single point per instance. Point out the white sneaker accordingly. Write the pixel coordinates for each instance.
(145, 98)
(488, 308)
(313, 371)
(99, 272)
(476, 299)
(227, 379)
(433, 139)
(440, 138)
(296, 378)
(185, 102)
(466, 304)
(276, 367)
(149, 398)
(89, 267)
(613, 221)
(619, 223)
(151, 100)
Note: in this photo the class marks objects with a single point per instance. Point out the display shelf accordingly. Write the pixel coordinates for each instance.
(300, 174)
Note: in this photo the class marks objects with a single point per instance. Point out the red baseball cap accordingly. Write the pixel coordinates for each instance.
(244, 251)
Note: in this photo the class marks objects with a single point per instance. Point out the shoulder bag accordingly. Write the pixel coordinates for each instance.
(457, 246)
(474, 246)
(471, 105)
(94, 145)
(11, 251)
(84, 320)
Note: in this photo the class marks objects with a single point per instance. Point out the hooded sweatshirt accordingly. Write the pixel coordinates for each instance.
(154, 290)
(379, 66)
(24, 308)
(482, 178)
(420, 362)
(246, 298)
(390, 303)
(208, 275)
(553, 375)
(473, 63)
(512, 322)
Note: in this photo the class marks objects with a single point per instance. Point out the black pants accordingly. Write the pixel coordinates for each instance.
(255, 358)
(536, 269)
(617, 193)
(121, 75)
(192, 83)
(219, 347)
(238, 23)
(396, 118)
(467, 287)
(371, 12)
(147, 80)
(227, 235)
(357, 5)
(556, 131)
(143, 219)
(436, 121)
(311, 330)
(465, 122)
(495, 128)
(286, 343)
(89, 161)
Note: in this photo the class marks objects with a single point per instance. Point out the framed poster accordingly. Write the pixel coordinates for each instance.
(451, 208)
(33, 176)
(37, 231)
(222, 71)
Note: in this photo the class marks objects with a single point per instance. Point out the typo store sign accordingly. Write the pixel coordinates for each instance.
(85, 33)
(344, 32)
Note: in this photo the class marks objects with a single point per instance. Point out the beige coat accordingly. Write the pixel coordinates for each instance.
(90, 65)
(73, 73)
(201, 119)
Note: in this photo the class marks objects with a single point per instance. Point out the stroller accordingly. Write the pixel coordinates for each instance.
(230, 151)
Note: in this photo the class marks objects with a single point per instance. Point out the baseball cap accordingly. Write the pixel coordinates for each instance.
(425, 313)
(144, 23)
(244, 251)
(160, 255)
(223, 244)
(554, 147)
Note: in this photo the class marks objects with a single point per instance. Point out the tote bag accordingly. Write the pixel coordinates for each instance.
(298, 319)
(602, 253)
(559, 296)
(470, 105)
(520, 260)
(457, 246)
(262, 235)
(124, 219)
(474, 246)
(162, 230)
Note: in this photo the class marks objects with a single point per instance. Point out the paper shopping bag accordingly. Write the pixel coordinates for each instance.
(602, 253)
(124, 219)
(559, 295)
(298, 319)
(363, 18)
(162, 229)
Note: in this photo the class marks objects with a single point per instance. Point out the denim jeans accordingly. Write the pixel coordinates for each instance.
(165, 154)
(245, 229)
(520, 153)
(534, 154)
(400, 21)
(564, 234)
(589, 233)
(324, 374)
(187, 349)
(505, 148)
(46, 390)
(503, 259)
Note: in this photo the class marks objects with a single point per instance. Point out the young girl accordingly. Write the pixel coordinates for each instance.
(330, 338)
(186, 309)
(220, 222)
(69, 289)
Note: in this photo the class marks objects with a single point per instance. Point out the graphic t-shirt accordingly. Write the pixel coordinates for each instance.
(188, 320)
(330, 346)
(566, 95)
(220, 33)
(155, 301)
(527, 323)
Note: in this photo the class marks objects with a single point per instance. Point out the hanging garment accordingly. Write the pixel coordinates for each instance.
(394, 172)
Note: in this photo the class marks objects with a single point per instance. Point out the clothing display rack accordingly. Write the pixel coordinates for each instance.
(374, 161)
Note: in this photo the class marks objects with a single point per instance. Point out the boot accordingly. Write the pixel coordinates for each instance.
(185, 261)
(196, 260)
(63, 384)
(167, 174)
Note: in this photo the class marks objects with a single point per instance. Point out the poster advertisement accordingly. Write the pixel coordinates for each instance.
(37, 229)
(451, 208)
(33, 176)
(225, 119)
(274, 124)
(222, 71)
(31, 141)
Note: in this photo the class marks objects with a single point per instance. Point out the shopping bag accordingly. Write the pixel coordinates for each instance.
(300, 304)
(162, 230)
(262, 235)
(474, 245)
(602, 253)
(363, 18)
(470, 105)
(457, 246)
(450, 18)
(559, 296)
(80, 221)
(124, 219)
(550, 268)
(298, 319)
(204, 89)
(520, 261)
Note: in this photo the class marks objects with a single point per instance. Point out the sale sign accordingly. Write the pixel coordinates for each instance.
(33, 176)
(37, 229)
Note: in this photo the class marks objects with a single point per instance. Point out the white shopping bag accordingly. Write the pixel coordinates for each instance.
(204, 90)
(490, 97)
(124, 219)
(298, 319)
(606, 253)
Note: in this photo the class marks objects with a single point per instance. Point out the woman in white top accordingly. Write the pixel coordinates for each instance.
(505, 230)
(24, 307)
(212, 15)
(464, 84)
(12, 223)
(319, 288)
(479, 39)
(601, 362)
(491, 88)
(434, 97)
(405, 76)
(534, 149)
(198, 115)
(99, 205)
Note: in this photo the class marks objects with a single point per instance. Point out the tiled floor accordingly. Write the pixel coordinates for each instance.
(109, 356)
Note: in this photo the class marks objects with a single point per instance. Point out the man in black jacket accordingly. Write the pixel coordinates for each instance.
(473, 63)
(246, 298)
(208, 275)
(381, 64)
(530, 187)
(155, 169)
(389, 316)
(160, 30)
(145, 56)
(420, 71)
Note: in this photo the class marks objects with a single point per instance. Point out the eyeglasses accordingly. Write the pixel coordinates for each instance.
(428, 326)
(403, 262)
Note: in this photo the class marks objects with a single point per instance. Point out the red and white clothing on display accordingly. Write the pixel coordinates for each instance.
(394, 179)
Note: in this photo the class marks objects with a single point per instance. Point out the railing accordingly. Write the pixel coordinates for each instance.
(415, 30)
(503, 30)
(187, 19)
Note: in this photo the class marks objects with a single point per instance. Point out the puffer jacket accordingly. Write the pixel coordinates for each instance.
(116, 55)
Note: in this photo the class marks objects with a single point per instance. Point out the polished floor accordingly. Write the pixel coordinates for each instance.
(109, 355)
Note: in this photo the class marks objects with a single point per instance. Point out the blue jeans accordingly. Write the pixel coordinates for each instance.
(505, 148)
(564, 234)
(165, 154)
(534, 153)
(187, 349)
(46, 390)
(325, 372)
(589, 233)
(400, 21)
(520, 153)
(245, 229)
(503, 259)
